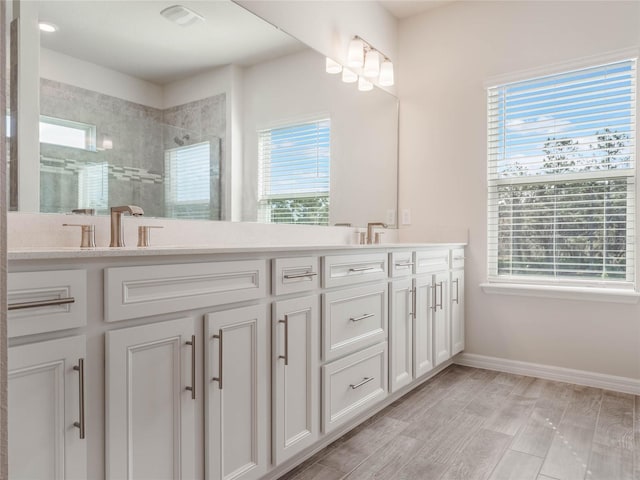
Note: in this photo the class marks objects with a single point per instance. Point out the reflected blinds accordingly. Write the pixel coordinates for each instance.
(293, 176)
(188, 181)
(561, 177)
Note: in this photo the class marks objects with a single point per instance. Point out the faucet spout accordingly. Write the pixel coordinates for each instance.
(370, 227)
(117, 231)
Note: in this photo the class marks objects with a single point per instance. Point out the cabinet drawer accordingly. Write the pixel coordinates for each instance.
(132, 292)
(430, 261)
(293, 275)
(401, 264)
(26, 287)
(352, 385)
(339, 270)
(353, 319)
(457, 258)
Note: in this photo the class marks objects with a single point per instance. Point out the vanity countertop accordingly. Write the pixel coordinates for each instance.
(46, 253)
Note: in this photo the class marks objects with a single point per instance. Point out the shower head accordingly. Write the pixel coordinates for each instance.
(180, 141)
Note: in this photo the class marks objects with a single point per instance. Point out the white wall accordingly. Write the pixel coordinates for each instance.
(294, 89)
(445, 56)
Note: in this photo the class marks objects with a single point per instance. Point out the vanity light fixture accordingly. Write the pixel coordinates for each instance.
(181, 15)
(355, 54)
(331, 66)
(47, 27)
(371, 64)
(364, 85)
(348, 76)
(386, 73)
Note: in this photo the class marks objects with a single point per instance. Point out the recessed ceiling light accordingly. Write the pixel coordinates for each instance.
(183, 16)
(47, 27)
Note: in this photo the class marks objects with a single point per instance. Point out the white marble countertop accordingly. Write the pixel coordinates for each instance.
(45, 253)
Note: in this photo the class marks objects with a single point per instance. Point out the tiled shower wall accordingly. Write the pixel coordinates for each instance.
(139, 135)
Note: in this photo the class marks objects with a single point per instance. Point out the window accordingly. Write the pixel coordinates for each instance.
(188, 181)
(561, 178)
(294, 173)
(67, 133)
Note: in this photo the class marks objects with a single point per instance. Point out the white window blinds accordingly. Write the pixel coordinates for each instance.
(293, 183)
(561, 177)
(188, 181)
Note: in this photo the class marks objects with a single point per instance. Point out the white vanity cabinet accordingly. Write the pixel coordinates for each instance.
(401, 333)
(150, 405)
(236, 387)
(296, 388)
(46, 402)
(457, 300)
(226, 365)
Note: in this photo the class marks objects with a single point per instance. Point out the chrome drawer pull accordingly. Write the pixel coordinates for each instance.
(285, 357)
(441, 289)
(364, 381)
(361, 269)
(357, 319)
(405, 264)
(219, 377)
(300, 275)
(192, 388)
(434, 303)
(41, 303)
(80, 424)
(457, 292)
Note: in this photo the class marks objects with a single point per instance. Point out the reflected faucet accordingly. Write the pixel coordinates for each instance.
(117, 232)
(370, 227)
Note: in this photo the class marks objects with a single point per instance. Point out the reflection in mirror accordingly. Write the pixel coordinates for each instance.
(225, 119)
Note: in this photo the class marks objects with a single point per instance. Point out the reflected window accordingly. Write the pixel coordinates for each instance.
(93, 187)
(294, 164)
(188, 181)
(67, 133)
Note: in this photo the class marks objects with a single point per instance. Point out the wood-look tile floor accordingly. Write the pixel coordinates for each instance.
(468, 424)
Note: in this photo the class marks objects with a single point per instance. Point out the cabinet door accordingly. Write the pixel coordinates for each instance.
(401, 334)
(441, 321)
(236, 386)
(296, 389)
(44, 405)
(457, 311)
(150, 423)
(423, 326)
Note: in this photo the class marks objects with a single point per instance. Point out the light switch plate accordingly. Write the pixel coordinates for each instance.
(406, 216)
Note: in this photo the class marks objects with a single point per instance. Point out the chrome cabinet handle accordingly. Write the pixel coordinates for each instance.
(80, 424)
(362, 317)
(434, 303)
(192, 388)
(364, 381)
(219, 377)
(300, 275)
(40, 303)
(457, 292)
(441, 290)
(361, 269)
(286, 340)
(405, 264)
(414, 305)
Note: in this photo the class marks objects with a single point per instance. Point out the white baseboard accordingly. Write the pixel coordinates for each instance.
(549, 372)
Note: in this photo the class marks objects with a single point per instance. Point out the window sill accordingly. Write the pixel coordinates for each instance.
(593, 294)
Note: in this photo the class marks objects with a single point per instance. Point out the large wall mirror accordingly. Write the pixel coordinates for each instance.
(209, 113)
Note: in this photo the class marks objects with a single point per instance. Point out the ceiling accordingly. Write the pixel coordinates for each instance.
(403, 8)
(133, 38)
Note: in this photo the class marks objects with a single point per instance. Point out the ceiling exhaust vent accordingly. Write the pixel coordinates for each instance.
(183, 16)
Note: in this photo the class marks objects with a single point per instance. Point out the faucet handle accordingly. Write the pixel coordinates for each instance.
(88, 239)
(144, 235)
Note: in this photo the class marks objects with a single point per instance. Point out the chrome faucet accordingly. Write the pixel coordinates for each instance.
(117, 232)
(370, 227)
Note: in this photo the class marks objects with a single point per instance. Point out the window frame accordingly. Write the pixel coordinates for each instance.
(89, 130)
(553, 286)
(263, 209)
